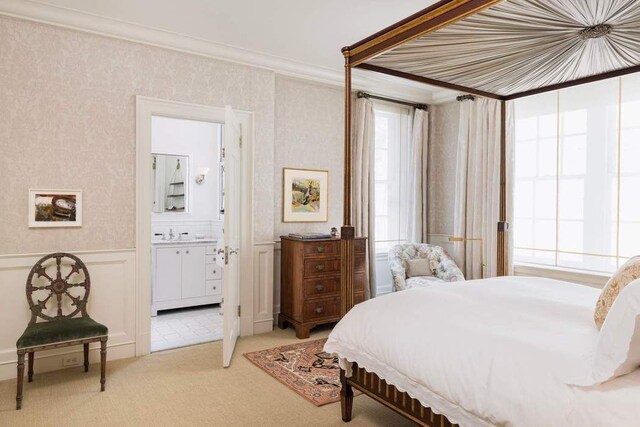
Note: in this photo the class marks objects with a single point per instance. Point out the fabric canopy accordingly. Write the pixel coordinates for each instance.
(520, 45)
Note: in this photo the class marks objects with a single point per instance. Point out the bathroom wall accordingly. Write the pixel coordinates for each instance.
(199, 141)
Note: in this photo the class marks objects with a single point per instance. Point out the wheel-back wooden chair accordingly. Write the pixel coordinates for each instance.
(58, 290)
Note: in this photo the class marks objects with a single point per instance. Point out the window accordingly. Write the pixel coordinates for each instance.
(577, 176)
(391, 145)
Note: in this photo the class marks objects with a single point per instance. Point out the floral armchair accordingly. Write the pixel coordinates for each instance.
(443, 267)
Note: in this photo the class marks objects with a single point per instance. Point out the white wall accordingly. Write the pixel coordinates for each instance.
(199, 141)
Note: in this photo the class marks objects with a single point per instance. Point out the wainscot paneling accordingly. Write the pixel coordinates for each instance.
(263, 309)
(277, 275)
(111, 302)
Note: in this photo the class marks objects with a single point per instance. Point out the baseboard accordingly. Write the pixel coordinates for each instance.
(262, 326)
(52, 361)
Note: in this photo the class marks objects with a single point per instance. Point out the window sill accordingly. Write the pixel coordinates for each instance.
(593, 279)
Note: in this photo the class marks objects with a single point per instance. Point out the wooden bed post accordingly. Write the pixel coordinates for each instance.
(346, 397)
(502, 224)
(347, 233)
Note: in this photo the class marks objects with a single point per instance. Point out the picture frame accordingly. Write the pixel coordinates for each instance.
(305, 195)
(55, 208)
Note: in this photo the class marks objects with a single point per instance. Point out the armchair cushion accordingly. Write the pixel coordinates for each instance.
(442, 266)
(61, 330)
(419, 267)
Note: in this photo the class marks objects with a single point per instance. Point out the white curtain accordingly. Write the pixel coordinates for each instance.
(364, 185)
(416, 166)
(477, 194)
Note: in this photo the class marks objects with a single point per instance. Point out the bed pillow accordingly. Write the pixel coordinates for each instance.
(419, 267)
(618, 348)
(629, 272)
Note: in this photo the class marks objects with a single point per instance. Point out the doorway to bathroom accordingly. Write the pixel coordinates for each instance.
(187, 213)
(194, 180)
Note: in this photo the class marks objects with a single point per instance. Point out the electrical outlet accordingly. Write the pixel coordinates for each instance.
(70, 360)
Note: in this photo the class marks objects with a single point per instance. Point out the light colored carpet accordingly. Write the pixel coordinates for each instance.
(186, 386)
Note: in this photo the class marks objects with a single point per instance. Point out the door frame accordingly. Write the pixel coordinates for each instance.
(147, 107)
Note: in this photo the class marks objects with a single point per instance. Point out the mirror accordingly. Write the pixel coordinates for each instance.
(170, 180)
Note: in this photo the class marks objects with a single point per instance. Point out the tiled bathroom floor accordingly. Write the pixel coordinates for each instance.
(183, 327)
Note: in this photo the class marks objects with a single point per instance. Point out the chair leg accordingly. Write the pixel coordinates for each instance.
(103, 363)
(30, 372)
(86, 357)
(20, 379)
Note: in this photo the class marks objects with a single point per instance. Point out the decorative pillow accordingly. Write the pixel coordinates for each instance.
(629, 272)
(419, 267)
(618, 349)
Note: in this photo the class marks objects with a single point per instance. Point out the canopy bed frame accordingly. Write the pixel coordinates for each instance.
(500, 49)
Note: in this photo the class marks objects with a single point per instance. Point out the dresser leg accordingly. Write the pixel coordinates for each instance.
(282, 323)
(302, 331)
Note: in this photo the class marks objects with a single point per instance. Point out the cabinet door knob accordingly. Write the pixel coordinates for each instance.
(320, 267)
(214, 288)
(215, 271)
(320, 248)
(319, 288)
(187, 251)
(319, 310)
(177, 252)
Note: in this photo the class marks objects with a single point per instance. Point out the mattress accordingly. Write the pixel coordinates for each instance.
(500, 351)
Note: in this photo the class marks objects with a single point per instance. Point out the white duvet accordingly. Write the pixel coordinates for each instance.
(496, 351)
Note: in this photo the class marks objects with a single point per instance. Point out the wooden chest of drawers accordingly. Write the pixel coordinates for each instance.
(310, 285)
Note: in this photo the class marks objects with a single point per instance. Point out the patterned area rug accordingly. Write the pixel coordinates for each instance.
(304, 368)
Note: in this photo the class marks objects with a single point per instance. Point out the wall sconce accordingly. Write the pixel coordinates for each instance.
(202, 172)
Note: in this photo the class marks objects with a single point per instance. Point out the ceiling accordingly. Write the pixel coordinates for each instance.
(307, 33)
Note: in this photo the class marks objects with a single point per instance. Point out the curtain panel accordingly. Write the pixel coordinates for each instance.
(477, 194)
(364, 185)
(417, 167)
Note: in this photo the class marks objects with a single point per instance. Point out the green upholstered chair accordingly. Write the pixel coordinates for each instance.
(57, 291)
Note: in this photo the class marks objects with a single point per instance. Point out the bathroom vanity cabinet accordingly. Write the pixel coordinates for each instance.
(184, 275)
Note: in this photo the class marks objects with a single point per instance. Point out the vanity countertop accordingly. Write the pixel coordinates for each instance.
(184, 241)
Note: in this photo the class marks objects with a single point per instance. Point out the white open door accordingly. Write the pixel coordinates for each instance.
(232, 187)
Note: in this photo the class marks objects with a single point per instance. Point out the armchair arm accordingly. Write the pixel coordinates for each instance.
(397, 273)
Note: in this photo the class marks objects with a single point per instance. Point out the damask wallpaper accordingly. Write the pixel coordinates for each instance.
(67, 121)
(443, 142)
(309, 135)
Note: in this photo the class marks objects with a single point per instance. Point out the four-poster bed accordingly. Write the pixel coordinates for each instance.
(498, 49)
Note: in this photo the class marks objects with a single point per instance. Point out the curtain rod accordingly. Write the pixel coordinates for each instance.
(465, 98)
(395, 101)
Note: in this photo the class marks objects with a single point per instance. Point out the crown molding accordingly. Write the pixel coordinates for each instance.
(109, 27)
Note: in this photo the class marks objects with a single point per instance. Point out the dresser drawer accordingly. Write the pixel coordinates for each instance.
(322, 287)
(360, 262)
(359, 282)
(211, 259)
(319, 309)
(321, 249)
(318, 267)
(214, 272)
(358, 297)
(360, 246)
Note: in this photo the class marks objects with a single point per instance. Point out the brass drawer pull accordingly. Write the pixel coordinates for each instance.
(320, 249)
(319, 267)
(320, 288)
(319, 310)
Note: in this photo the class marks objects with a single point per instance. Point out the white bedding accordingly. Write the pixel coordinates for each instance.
(490, 352)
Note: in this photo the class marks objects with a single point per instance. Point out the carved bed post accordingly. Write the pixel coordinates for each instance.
(502, 224)
(346, 397)
(347, 233)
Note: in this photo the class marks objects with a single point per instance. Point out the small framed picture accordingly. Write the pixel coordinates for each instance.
(55, 208)
(305, 196)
